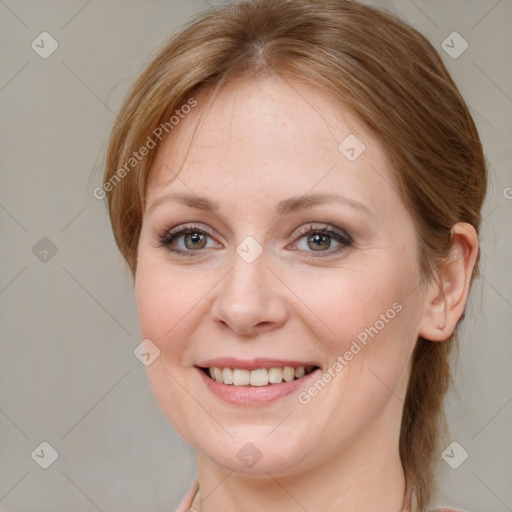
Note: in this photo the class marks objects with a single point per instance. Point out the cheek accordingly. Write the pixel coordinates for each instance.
(160, 301)
(371, 337)
(165, 307)
(353, 298)
(170, 303)
(371, 316)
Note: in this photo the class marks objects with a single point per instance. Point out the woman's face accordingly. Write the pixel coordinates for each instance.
(249, 283)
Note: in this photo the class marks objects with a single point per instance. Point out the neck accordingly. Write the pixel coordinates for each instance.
(375, 483)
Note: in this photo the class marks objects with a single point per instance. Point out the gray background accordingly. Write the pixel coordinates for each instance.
(68, 327)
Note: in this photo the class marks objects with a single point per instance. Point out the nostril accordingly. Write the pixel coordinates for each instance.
(263, 325)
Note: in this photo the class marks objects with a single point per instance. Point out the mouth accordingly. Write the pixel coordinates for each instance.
(258, 377)
(257, 382)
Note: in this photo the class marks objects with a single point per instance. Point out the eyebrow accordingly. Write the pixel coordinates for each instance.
(201, 203)
(306, 201)
(284, 207)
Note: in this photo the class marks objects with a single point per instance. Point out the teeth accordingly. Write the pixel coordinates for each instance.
(217, 374)
(259, 377)
(227, 376)
(275, 375)
(299, 372)
(288, 374)
(241, 377)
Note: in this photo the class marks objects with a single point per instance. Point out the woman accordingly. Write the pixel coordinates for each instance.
(296, 187)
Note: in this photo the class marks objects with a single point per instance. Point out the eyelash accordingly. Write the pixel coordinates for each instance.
(173, 234)
(344, 239)
(169, 237)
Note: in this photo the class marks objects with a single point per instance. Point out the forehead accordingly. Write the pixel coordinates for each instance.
(269, 134)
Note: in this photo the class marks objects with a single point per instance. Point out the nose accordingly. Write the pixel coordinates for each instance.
(250, 299)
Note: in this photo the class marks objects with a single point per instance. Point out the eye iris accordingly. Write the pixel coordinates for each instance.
(196, 238)
(317, 237)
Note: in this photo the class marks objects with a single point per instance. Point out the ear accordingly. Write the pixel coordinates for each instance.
(446, 296)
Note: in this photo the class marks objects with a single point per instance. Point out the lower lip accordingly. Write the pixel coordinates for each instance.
(255, 395)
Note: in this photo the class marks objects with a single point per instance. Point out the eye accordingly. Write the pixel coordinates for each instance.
(193, 240)
(319, 239)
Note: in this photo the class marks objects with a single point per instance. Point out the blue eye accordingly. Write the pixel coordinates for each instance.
(194, 239)
(320, 239)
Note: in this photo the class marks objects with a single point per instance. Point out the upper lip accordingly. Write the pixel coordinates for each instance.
(253, 364)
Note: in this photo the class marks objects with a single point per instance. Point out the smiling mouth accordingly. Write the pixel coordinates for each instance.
(258, 377)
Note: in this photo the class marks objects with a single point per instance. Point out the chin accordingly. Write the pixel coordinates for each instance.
(254, 452)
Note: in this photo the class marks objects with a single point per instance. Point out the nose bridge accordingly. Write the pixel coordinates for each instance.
(246, 280)
(250, 297)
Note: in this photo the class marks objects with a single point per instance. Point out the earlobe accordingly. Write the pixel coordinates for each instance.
(446, 297)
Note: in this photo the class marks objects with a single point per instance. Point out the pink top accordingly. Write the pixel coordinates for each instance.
(186, 503)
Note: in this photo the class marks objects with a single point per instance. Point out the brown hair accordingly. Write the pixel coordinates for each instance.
(381, 70)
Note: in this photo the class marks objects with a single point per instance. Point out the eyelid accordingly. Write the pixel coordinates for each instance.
(323, 228)
(187, 227)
